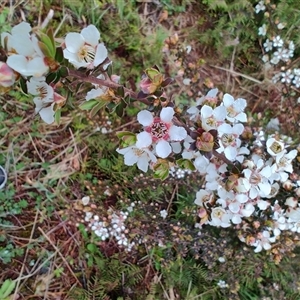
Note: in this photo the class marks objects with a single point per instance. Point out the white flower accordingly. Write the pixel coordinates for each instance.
(222, 284)
(275, 147)
(203, 197)
(85, 200)
(98, 91)
(194, 111)
(277, 41)
(212, 118)
(256, 178)
(260, 6)
(83, 49)
(296, 81)
(235, 108)
(159, 130)
(263, 241)
(268, 45)
(229, 141)
(262, 30)
(140, 156)
(163, 213)
(219, 217)
(284, 161)
(275, 60)
(287, 76)
(24, 53)
(44, 102)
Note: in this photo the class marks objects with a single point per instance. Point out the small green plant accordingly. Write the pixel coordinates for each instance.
(6, 289)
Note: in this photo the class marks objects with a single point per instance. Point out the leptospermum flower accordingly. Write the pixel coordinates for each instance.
(159, 131)
(45, 98)
(24, 53)
(100, 91)
(229, 141)
(235, 108)
(83, 49)
(141, 157)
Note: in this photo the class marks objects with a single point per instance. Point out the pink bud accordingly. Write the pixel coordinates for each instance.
(146, 85)
(7, 75)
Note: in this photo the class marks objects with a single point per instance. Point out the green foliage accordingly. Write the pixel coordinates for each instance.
(6, 289)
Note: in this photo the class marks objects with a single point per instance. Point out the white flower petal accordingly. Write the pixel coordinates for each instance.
(144, 140)
(145, 117)
(101, 54)
(167, 114)
(177, 133)
(143, 164)
(91, 35)
(163, 149)
(228, 99)
(47, 114)
(74, 41)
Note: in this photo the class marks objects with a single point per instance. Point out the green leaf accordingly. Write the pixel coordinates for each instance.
(23, 85)
(161, 170)
(97, 107)
(57, 116)
(63, 71)
(7, 288)
(47, 44)
(185, 164)
(88, 105)
(120, 108)
(59, 55)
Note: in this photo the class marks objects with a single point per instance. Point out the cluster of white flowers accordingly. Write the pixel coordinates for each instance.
(276, 50)
(112, 226)
(24, 53)
(179, 173)
(228, 198)
(27, 57)
(222, 284)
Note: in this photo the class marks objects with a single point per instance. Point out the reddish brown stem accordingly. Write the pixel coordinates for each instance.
(108, 83)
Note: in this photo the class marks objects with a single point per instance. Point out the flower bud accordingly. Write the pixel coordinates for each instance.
(291, 201)
(7, 75)
(287, 185)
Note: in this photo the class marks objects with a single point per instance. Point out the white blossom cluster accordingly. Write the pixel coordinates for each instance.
(227, 199)
(25, 56)
(276, 50)
(109, 227)
(179, 173)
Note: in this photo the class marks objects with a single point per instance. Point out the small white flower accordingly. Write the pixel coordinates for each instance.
(83, 49)
(277, 41)
(160, 131)
(260, 6)
(163, 213)
(44, 100)
(262, 30)
(140, 156)
(85, 200)
(263, 241)
(212, 118)
(280, 26)
(235, 108)
(296, 81)
(287, 77)
(222, 284)
(268, 45)
(274, 147)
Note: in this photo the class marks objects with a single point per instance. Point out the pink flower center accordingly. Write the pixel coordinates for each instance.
(158, 130)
